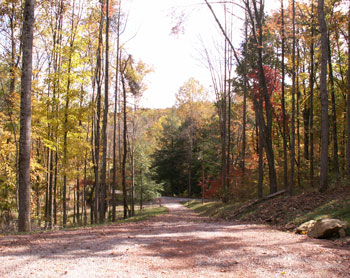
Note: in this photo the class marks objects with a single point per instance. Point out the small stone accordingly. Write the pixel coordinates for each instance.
(305, 227)
(289, 226)
(342, 233)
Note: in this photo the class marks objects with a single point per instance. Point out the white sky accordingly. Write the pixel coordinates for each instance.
(175, 58)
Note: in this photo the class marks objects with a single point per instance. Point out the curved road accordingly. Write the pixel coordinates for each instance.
(179, 244)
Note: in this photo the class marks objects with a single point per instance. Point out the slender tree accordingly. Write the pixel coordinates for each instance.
(292, 143)
(312, 98)
(348, 107)
(283, 102)
(125, 150)
(334, 114)
(24, 224)
(98, 79)
(103, 203)
(114, 176)
(324, 98)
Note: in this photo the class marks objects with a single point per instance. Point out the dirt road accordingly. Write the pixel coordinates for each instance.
(179, 244)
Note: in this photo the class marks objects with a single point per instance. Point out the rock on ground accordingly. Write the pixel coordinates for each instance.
(326, 228)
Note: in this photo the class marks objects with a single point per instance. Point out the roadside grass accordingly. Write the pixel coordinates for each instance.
(331, 209)
(214, 209)
(338, 208)
(140, 215)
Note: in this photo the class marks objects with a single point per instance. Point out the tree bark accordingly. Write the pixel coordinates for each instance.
(285, 157)
(324, 98)
(334, 115)
(103, 203)
(114, 177)
(24, 224)
(98, 119)
(348, 108)
(292, 143)
(125, 204)
(312, 100)
(268, 108)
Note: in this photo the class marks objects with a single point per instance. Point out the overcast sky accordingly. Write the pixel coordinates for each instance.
(175, 58)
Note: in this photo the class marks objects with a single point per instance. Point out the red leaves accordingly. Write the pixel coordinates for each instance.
(273, 81)
(274, 85)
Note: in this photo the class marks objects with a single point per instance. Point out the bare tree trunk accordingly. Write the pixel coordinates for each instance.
(334, 115)
(24, 224)
(114, 181)
(124, 147)
(262, 79)
(324, 98)
(260, 140)
(103, 202)
(298, 118)
(312, 100)
(283, 101)
(292, 143)
(98, 118)
(245, 92)
(132, 189)
(348, 108)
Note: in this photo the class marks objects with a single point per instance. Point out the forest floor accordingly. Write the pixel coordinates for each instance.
(178, 244)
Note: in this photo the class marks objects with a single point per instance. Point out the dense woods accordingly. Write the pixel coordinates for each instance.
(280, 119)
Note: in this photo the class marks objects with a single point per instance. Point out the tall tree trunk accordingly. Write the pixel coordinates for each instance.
(55, 186)
(98, 118)
(125, 150)
(132, 189)
(268, 107)
(306, 121)
(245, 92)
(65, 156)
(298, 116)
(312, 99)
(292, 143)
(114, 181)
(334, 115)
(66, 111)
(348, 108)
(260, 144)
(103, 202)
(283, 101)
(224, 125)
(24, 224)
(324, 98)
(15, 59)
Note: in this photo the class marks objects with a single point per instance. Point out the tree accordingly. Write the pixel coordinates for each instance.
(114, 175)
(292, 143)
(103, 202)
(24, 224)
(348, 106)
(283, 100)
(324, 98)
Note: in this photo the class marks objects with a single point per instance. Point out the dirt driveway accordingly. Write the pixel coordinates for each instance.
(179, 244)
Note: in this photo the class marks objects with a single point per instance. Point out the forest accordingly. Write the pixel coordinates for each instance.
(75, 144)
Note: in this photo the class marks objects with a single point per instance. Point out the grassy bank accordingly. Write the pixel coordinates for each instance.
(284, 209)
(140, 215)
